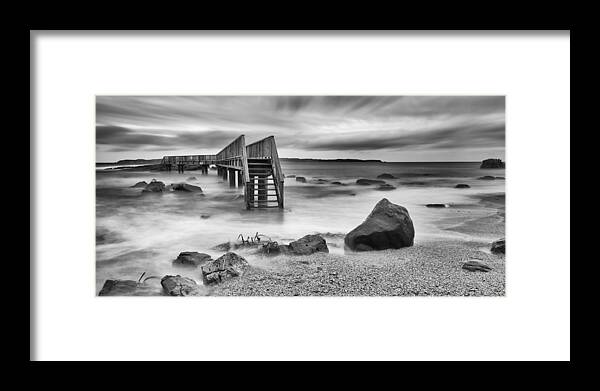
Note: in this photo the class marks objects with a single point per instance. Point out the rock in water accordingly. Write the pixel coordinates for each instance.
(476, 266)
(499, 246)
(301, 179)
(487, 178)
(154, 187)
(127, 288)
(436, 205)
(462, 186)
(387, 226)
(366, 182)
(222, 247)
(191, 259)
(271, 248)
(309, 244)
(140, 184)
(186, 187)
(386, 176)
(179, 286)
(493, 163)
(385, 186)
(225, 267)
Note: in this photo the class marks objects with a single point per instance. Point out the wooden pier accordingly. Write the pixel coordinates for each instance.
(254, 167)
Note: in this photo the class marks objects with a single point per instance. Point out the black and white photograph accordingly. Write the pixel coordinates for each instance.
(300, 195)
(275, 196)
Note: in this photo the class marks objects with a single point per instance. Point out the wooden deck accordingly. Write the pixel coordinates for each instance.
(254, 167)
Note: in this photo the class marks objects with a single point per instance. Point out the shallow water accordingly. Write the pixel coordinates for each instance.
(139, 233)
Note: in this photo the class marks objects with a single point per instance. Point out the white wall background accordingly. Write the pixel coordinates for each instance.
(531, 323)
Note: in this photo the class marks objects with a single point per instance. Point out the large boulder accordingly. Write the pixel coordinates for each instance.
(140, 184)
(223, 268)
(436, 205)
(487, 178)
(367, 182)
(191, 259)
(301, 179)
(499, 246)
(180, 286)
(186, 187)
(308, 244)
(154, 187)
(462, 186)
(387, 226)
(127, 288)
(386, 176)
(493, 163)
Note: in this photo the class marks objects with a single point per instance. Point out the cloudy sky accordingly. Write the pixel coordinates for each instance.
(390, 128)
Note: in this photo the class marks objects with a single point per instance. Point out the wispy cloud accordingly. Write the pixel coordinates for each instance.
(331, 125)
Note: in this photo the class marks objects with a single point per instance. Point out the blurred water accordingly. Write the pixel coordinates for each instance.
(144, 232)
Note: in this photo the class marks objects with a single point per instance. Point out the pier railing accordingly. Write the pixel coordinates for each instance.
(189, 159)
(234, 156)
(267, 149)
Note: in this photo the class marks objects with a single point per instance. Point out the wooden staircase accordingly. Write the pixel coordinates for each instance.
(263, 189)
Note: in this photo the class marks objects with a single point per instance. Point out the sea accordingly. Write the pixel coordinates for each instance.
(143, 233)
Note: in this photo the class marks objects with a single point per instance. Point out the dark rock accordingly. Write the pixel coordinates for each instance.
(301, 179)
(476, 266)
(366, 182)
(290, 176)
(487, 178)
(386, 176)
(462, 186)
(191, 178)
(493, 163)
(363, 247)
(436, 205)
(140, 184)
(154, 187)
(106, 236)
(127, 288)
(309, 244)
(225, 267)
(271, 248)
(191, 259)
(186, 187)
(499, 246)
(320, 181)
(222, 247)
(337, 183)
(204, 216)
(387, 226)
(500, 177)
(385, 186)
(180, 286)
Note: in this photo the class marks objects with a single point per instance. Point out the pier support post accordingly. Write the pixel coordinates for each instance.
(240, 178)
(231, 177)
(224, 171)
